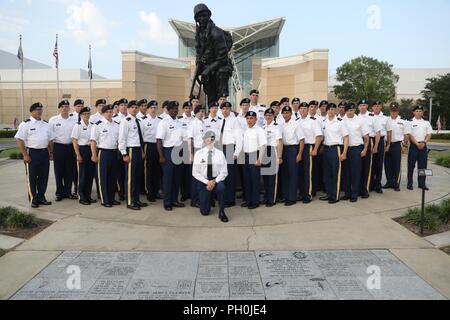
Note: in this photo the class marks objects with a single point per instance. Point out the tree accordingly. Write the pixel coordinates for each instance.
(440, 87)
(406, 106)
(366, 78)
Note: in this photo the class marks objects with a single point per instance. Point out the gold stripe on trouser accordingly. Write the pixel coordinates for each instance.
(145, 168)
(99, 177)
(27, 172)
(310, 171)
(276, 176)
(78, 170)
(400, 168)
(339, 174)
(370, 167)
(129, 176)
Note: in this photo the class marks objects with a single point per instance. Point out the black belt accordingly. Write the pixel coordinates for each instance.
(35, 149)
(63, 144)
(334, 145)
(102, 149)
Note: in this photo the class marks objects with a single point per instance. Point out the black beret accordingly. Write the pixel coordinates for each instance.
(107, 108)
(194, 98)
(322, 103)
(349, 106)
(132, 103)
(214, 105)
(64, 102)
(173, 105)
(254, 91)
(296, 100)
(116, 103)
(187, 104)
(226, 104)
(342, 104)
(363, 101)
(85, 109)
(313, 103)
(269, 111)
(142, 101)
(304, 105)
(165, 103)
(286, 109)
(394, 106)
(78, 101)
(376, 103)
(198, 109)
(123, 101)
(100, 101)
(283, 100)
(251, 114)
(35, 106)
(418, 108)
(275, 104)
(245, 100)
(331, 106)
(152, 103)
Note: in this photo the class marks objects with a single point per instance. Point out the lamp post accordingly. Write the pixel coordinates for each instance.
(431, 95)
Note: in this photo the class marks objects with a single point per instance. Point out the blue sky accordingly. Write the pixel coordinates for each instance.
(407, 33)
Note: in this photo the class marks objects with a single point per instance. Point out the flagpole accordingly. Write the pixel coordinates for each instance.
(90, 77)
(21, 79)
(57, 73)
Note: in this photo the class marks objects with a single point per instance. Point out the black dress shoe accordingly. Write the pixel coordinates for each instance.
(289, 203)
(121, 198)
(324, 198)
(183, 199)
(425, 188)
(85, 203)
(345, 198)
(134, 207)
(168, 208)
(410, 187)
(333, 201)
(306, 201)
(107, 205)
(244, 204)
(45, 203)
(213, 203)
(116, 203)
(223, 217)
(379, 191)
(387, 186)
(365, 196)
(73, 197)
(230, 204)
(151, 199)
(252, 207)
(397, 189)
(142, 204)
(352, 200)
(58, 198)
(195, 205)
(159, 196)
(270, 204)
(34, 205)
(178, 205)
(280, 200)
(92, 201)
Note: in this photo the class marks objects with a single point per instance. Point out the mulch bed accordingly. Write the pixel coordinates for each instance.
(416, 229)
(26, 233)
(446, 250)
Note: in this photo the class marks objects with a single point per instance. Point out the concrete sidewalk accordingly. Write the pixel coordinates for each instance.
(366, 224)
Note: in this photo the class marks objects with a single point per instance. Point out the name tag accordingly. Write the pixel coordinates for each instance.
(84, 129)
(171, 127)
(32, 129)
(105, 131)
(58, 124)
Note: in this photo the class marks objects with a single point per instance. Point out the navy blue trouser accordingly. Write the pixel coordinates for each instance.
(205, 197)
(132, 177)
(106, 173)
(306, 169)
(120, 176)
(352, 172)
(332, 171)
(290, 173)
(392, 165)
(366, 169)
(230, 181)
(186, 174)
(85, 173)
(195, 185)
(270, 180)
(377, 166)
(252, 178)
(152, 169)
(419, 156)
(63, 161)
(171, 178)
(37, 175)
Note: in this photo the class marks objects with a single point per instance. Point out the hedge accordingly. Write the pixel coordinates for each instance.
(7, 133)
(441, 136)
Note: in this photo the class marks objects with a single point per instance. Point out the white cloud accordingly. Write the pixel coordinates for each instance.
(156, 31)
(10, 28)
(86, 23)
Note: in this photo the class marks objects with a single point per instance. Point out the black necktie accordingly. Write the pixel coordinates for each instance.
(223, 127)
(141, 138)
(209, 172)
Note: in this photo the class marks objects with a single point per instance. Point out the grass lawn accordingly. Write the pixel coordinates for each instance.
(6, 153)
(439, 154)
(7, 139)
(439, 141)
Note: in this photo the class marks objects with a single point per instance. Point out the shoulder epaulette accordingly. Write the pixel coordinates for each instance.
(339, 119)
(144, 117)
(219, 118)
(128, 118)
(27, 120)
(371, 115)
(98, 122)
(116, 122)
(160, 118)
(91, 123)
(275, 124)
(116, 115)
(45, 121)
(179, 117)
(71, 115)
(313, 118)
(264, 106)
(79, 122)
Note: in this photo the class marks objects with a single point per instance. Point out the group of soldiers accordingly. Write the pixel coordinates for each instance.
(288, 151)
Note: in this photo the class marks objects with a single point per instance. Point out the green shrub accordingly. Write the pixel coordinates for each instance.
(430, 221)
(14, 219)
(441, 136)
(444, 214)
(7, 133)
(16, 155)
(443, 161)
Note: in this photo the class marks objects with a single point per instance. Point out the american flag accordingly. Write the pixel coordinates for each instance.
(55, 52)
(439, 124)
(20, 52)
(90, 64)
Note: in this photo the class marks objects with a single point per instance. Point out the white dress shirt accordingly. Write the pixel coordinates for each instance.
(242, 121)
(254, 139)
(170, 131)
(311, 129)
(334, 132)
(106, 134)
(292, 133)
(384, 123)
(398, 126)
(213, 124)
(419, 129)
(151, 125)
(36, 134)
(129, 134)
(372, 123)
(62, 129)
(273, 133)
(259, 109)
(200, 165)
(82, 133)
(96, 117)
(357, 129)
(195, 132)
(279, 119)
(232, 134)
(186, 122)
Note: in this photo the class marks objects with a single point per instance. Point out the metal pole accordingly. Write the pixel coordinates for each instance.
(422, 214)
(57, 77)
(90, 80)
(431, 111)
(21, 79)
